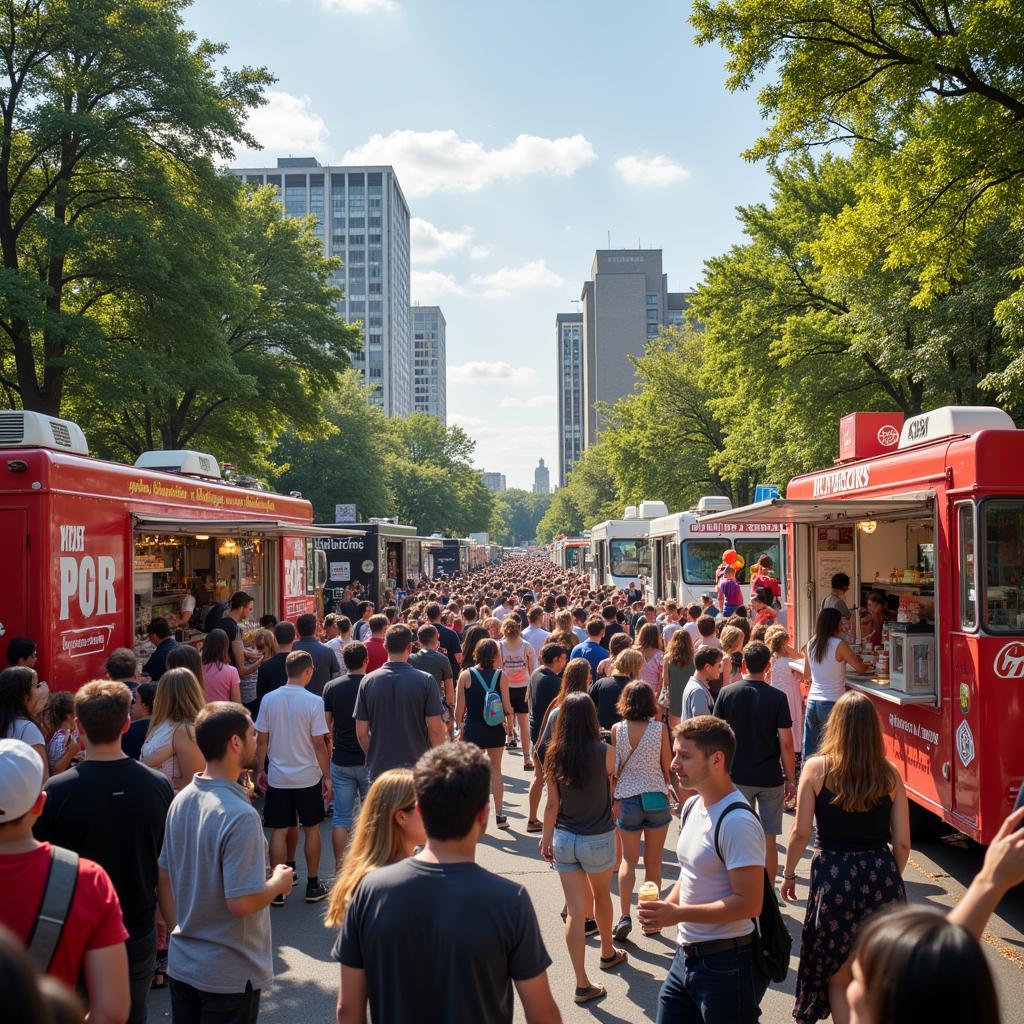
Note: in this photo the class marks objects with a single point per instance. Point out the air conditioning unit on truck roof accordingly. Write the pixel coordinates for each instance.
(713, 503)
(22, 429)
(185, 462)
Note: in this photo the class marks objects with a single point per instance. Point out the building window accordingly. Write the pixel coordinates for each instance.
(652, 298)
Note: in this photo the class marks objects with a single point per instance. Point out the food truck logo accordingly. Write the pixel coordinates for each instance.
(888, 436)
(1010, 661)
(853, 478)
(86, 580)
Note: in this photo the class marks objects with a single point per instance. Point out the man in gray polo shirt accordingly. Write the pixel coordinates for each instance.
(214, 890)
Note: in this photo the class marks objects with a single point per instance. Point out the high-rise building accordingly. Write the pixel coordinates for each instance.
(625, 304)
(363, 218)
(429, 386)
(569, 346)
(494, 481)
(541, 479)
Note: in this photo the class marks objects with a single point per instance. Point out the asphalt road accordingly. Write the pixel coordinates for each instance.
(307, 979)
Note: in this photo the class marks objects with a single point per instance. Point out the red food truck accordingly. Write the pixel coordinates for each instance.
(93, 550)
(927, 514)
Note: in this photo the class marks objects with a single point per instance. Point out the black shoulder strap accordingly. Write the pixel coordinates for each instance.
(53, 910)
(737, 806)
(687, 807)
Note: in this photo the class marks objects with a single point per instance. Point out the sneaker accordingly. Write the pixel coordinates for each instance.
(278, 900)
(589, 927)
(622, 927)
(316, 891)
(501, 820)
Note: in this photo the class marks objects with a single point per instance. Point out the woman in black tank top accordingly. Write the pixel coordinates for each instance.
(859, 804)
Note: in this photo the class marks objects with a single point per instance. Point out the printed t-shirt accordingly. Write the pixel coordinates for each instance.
(94, 917)
(293, 716)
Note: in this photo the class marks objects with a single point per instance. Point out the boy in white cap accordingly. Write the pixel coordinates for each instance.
(81, 931)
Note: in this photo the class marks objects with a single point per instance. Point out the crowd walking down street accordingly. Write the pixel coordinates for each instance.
(545, 801)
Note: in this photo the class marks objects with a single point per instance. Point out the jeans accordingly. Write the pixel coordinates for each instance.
(141, 962)
(724, 988)
(814, 725)
(347, 780)
(190, 1006)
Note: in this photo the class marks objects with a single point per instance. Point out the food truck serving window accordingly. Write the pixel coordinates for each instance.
(1002, 526)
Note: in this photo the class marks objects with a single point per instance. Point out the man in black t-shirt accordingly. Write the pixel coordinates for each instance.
(449, 638)
(409, 922)
(764, 768)
(239, 608)
(111, 809)
(545, 683)
(272, 672)
(348, 762)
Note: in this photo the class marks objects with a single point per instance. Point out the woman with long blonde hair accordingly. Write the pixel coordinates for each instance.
(732, 640)
(858, 801)
(387, 830)
(170, 745)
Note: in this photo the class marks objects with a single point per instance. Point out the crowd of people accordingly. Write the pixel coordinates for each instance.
(135, 813)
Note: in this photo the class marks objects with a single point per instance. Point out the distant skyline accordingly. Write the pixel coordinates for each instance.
(522, 140)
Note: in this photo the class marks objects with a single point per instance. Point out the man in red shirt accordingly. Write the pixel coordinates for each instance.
(91, 943)
(376, 652)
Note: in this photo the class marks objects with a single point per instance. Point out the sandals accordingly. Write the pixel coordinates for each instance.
(585, 995)
(527, 766)
(609, 963)
(534, 825)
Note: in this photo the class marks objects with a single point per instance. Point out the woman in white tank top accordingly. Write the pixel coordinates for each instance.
(825, 662)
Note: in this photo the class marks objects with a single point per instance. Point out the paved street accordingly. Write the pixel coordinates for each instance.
(307, 978)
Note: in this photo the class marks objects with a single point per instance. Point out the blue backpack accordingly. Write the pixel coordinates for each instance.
(494, 710)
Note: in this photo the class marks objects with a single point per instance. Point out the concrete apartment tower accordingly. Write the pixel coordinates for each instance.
(429, 387)
(363, 218)
(569, 349)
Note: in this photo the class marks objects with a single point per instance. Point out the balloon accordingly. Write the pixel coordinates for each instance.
(739, 563)
(731, 556)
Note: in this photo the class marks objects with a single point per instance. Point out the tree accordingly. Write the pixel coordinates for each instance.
(562, 516)
(515, 516)
(227, 334)
(92, 89)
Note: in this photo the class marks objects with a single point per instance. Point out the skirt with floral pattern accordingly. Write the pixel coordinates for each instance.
(846, 889)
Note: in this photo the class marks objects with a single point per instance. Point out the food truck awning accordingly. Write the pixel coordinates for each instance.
(237, 527)
(839, 510)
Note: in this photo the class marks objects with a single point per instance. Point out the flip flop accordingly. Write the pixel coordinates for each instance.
(611, 962)
(585, 995)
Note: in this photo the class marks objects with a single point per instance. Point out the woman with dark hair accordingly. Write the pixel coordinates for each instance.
(473, 636)
(220, 677)
(185, 656)
(643, 756)
(579, 835)
(859, 803)
(676, 672)
(22, 696)
(476, 684)
(825, 664)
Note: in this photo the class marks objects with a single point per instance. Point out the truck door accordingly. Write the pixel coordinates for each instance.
(14, 592)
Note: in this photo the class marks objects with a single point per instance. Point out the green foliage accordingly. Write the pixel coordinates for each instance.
(515, 516)
(562, 516)
(589, 496)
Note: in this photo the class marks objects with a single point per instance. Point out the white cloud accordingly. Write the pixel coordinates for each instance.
(657, 171)
(288, 124)
(533, 402)
(430, 243)
(489, 373)
(502, 283)
(479, 252)
(427, 285)
(359, 6)
(441, 161)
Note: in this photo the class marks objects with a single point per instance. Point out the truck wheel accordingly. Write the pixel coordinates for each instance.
(926, 826)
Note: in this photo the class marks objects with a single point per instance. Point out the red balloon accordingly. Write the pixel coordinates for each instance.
(730, 556)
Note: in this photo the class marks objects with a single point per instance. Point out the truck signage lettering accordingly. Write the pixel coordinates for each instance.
(914, 729)
(1009, 663)
(852, 478)
(89, 579)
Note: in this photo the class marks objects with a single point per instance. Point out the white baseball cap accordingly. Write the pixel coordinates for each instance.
(21, 779)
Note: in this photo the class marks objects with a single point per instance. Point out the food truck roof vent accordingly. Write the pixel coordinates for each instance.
(713, 503)
(185, 462)
(21, 429)
(652, 509)
(951, 421)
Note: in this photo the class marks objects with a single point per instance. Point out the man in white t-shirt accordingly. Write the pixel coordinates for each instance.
(535, 634)
(713, 978)
(292, 731)
(693, 613)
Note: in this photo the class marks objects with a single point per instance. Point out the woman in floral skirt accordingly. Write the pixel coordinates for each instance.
(858, 802)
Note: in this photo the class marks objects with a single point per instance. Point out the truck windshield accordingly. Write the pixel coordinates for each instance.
(572, 557)
(627, 557)
(1003, 533)
(701, 558)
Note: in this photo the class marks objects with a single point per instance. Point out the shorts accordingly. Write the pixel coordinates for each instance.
(486, 737)
(283, 806)
(591, 854)
(517, 698)
(770, 800)
(633, 817)
(348, 780)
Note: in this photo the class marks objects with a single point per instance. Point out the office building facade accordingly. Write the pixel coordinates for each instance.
(569, 348)
(541, 479)
(494, 482)
(429, 391)
(363, 219)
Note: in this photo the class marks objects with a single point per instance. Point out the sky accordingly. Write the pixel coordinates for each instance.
(525, 136)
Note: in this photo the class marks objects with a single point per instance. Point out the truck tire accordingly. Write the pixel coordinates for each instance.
(926, 826)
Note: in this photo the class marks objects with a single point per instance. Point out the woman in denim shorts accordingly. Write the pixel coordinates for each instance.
(579, 835)
(643, 757)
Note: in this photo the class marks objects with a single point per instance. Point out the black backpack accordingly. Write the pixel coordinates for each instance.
(772, 941)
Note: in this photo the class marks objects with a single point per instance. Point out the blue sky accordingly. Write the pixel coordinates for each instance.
(522, 133)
